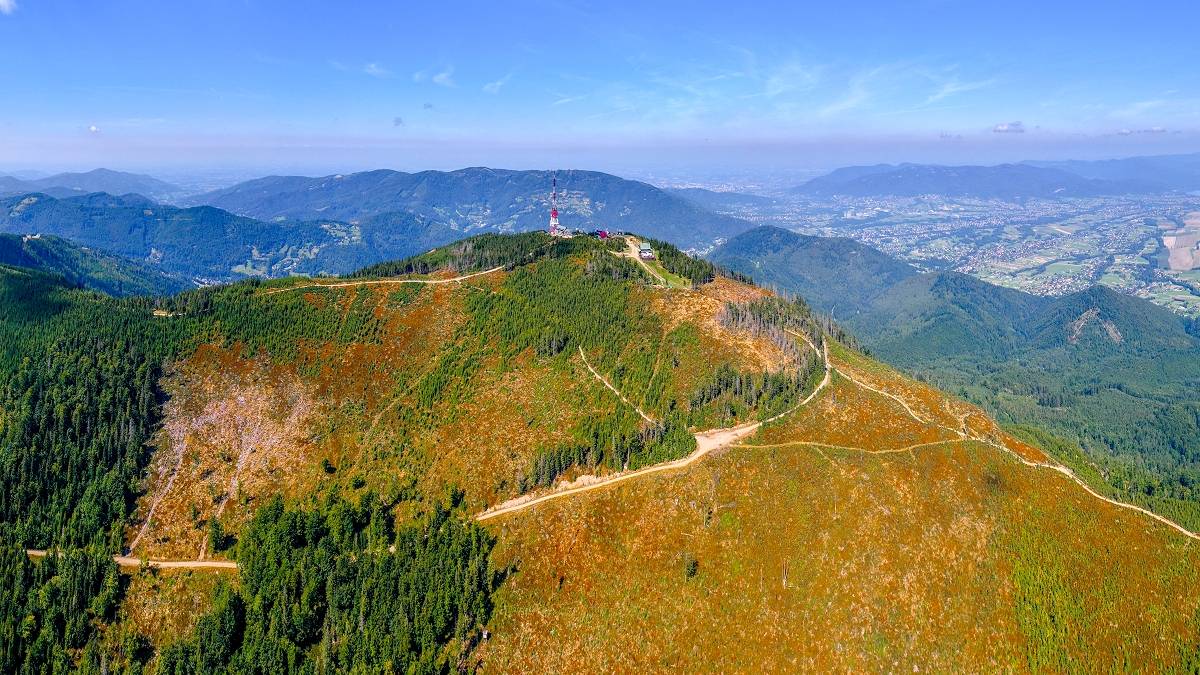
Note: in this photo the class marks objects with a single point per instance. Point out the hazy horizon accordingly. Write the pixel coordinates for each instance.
(265, 88)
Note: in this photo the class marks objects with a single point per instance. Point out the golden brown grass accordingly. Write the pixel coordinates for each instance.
(833, 560)
(234, 429)
(810, 557)
(700, 309)
(486, 443)
(848, 415)
(165, 604)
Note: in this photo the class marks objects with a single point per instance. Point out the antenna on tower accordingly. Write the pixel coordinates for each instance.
(554, 228)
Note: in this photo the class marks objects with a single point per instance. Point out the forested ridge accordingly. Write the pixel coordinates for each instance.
(79, 380)
(89, 268)
(339, 585)
(568, 295)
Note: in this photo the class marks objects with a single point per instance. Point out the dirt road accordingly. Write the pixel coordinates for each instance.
(1054, 466)
(378, 282)
(706, 442)
(613, 389)
(127, 562)
(631, 251)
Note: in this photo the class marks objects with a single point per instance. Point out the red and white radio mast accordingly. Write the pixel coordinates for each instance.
(554, 229)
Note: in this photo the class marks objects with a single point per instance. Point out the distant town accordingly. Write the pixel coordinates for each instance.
(1047, 247)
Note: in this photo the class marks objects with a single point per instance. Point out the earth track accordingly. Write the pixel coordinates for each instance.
(376, 282)
(706, 442)
(613, 389)
(1064, 470)
(127, 562)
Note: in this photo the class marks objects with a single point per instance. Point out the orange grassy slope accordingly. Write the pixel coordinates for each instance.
(884, 528)
(344, 414)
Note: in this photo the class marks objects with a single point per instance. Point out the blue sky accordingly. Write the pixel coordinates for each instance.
(610, 85)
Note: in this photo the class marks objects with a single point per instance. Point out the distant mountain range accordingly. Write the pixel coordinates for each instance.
(292, 225)
(199, 243)
(89, 268)
(1165, 172)
(280, 225)
(1005, 181)
(470, 201)
(1117, 373)
(98, 180)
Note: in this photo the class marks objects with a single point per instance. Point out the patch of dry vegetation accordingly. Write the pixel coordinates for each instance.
(234, 429)
(812, 557)
(717, 343)
(926, 403)
(165, 604)
(919, 551)
(834, 560)
(849, 416)
(484, 444)
(241, 428)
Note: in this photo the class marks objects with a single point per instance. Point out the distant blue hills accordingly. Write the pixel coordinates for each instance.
(1047, 180)
(97, 180)
(281, 225)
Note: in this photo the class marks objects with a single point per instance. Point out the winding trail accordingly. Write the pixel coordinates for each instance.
(614, 390)
(127, 562)
(158, 499)
(376, 282)
(1054, 466)
(706, 442)
(851, 448)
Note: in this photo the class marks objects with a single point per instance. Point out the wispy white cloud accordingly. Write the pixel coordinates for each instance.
(954, 86)
(791, 77)
(376, 70)
(1139, 108)
(494, 87)
(563, 100)
(8, 6)
(445, 78)
(862, 86)
(856, 95)
(1009, 128)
